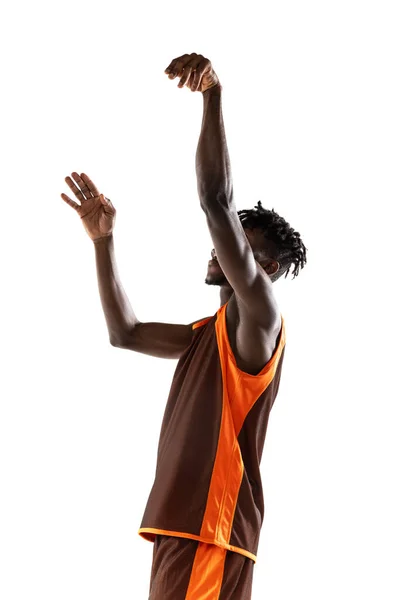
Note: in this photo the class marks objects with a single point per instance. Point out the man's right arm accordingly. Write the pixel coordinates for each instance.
(163, 340)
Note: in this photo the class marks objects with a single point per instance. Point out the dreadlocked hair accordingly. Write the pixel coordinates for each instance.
(287, 242)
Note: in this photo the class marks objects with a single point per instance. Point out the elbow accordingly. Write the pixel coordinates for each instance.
(212, 200)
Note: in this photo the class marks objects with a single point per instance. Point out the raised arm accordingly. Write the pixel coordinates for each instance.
(117, 309)
(163, 340)
(250, 282)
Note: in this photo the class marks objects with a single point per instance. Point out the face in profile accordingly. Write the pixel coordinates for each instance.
(215, 275)
(256, 239)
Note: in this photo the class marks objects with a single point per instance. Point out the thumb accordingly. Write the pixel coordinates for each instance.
(107, 203)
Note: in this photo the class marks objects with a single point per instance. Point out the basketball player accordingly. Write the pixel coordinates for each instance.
(205, 509)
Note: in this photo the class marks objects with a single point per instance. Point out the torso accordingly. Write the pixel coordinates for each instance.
(251, 344)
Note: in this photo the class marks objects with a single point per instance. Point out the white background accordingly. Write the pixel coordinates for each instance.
(311, 110)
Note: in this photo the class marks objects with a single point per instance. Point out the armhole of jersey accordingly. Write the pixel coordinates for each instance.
(227, 357)
(201, 323)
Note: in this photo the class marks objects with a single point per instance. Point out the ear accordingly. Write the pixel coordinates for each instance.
(270, 266)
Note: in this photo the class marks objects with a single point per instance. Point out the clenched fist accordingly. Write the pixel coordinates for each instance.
(195, 71)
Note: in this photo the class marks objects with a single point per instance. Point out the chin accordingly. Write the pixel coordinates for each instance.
(216, 280)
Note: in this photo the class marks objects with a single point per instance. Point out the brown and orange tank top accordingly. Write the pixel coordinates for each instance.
(207, 484)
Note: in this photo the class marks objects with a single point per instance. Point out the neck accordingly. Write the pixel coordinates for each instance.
(225, 293)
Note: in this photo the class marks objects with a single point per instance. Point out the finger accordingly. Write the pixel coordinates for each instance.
(70, 202)
(196, 81)
(75, 189)
(90, 184)
(186, 75)
(203, 67)
(105, 201)
(191, 79)
(85, 190)
(196, 63)
(171, 67)
(177, 65)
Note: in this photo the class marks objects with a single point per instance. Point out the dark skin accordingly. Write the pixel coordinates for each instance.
(244, 333)
(253, 316)
(243, 270)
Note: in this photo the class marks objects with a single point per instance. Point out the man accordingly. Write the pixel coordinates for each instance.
(205, 510)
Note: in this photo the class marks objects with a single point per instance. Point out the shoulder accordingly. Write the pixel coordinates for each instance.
(253, 340)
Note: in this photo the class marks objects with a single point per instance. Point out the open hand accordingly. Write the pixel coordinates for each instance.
(96, 211)
(196, 72)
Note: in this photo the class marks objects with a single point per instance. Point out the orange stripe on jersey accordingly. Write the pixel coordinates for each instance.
(228, 466)
(201, 323)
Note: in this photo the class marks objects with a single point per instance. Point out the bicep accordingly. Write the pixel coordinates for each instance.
(234, 253)
(251, 284)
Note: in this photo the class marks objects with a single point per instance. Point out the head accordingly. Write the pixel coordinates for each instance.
(276, 245)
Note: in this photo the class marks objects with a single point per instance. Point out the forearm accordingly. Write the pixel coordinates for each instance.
(118, 312)
(213, 169)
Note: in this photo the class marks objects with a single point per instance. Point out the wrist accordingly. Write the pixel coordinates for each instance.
(215, 89)
(103, 239)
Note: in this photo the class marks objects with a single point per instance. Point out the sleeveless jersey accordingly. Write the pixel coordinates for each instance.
(207, 484)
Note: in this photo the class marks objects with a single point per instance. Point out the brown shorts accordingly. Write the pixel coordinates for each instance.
(185, 569)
